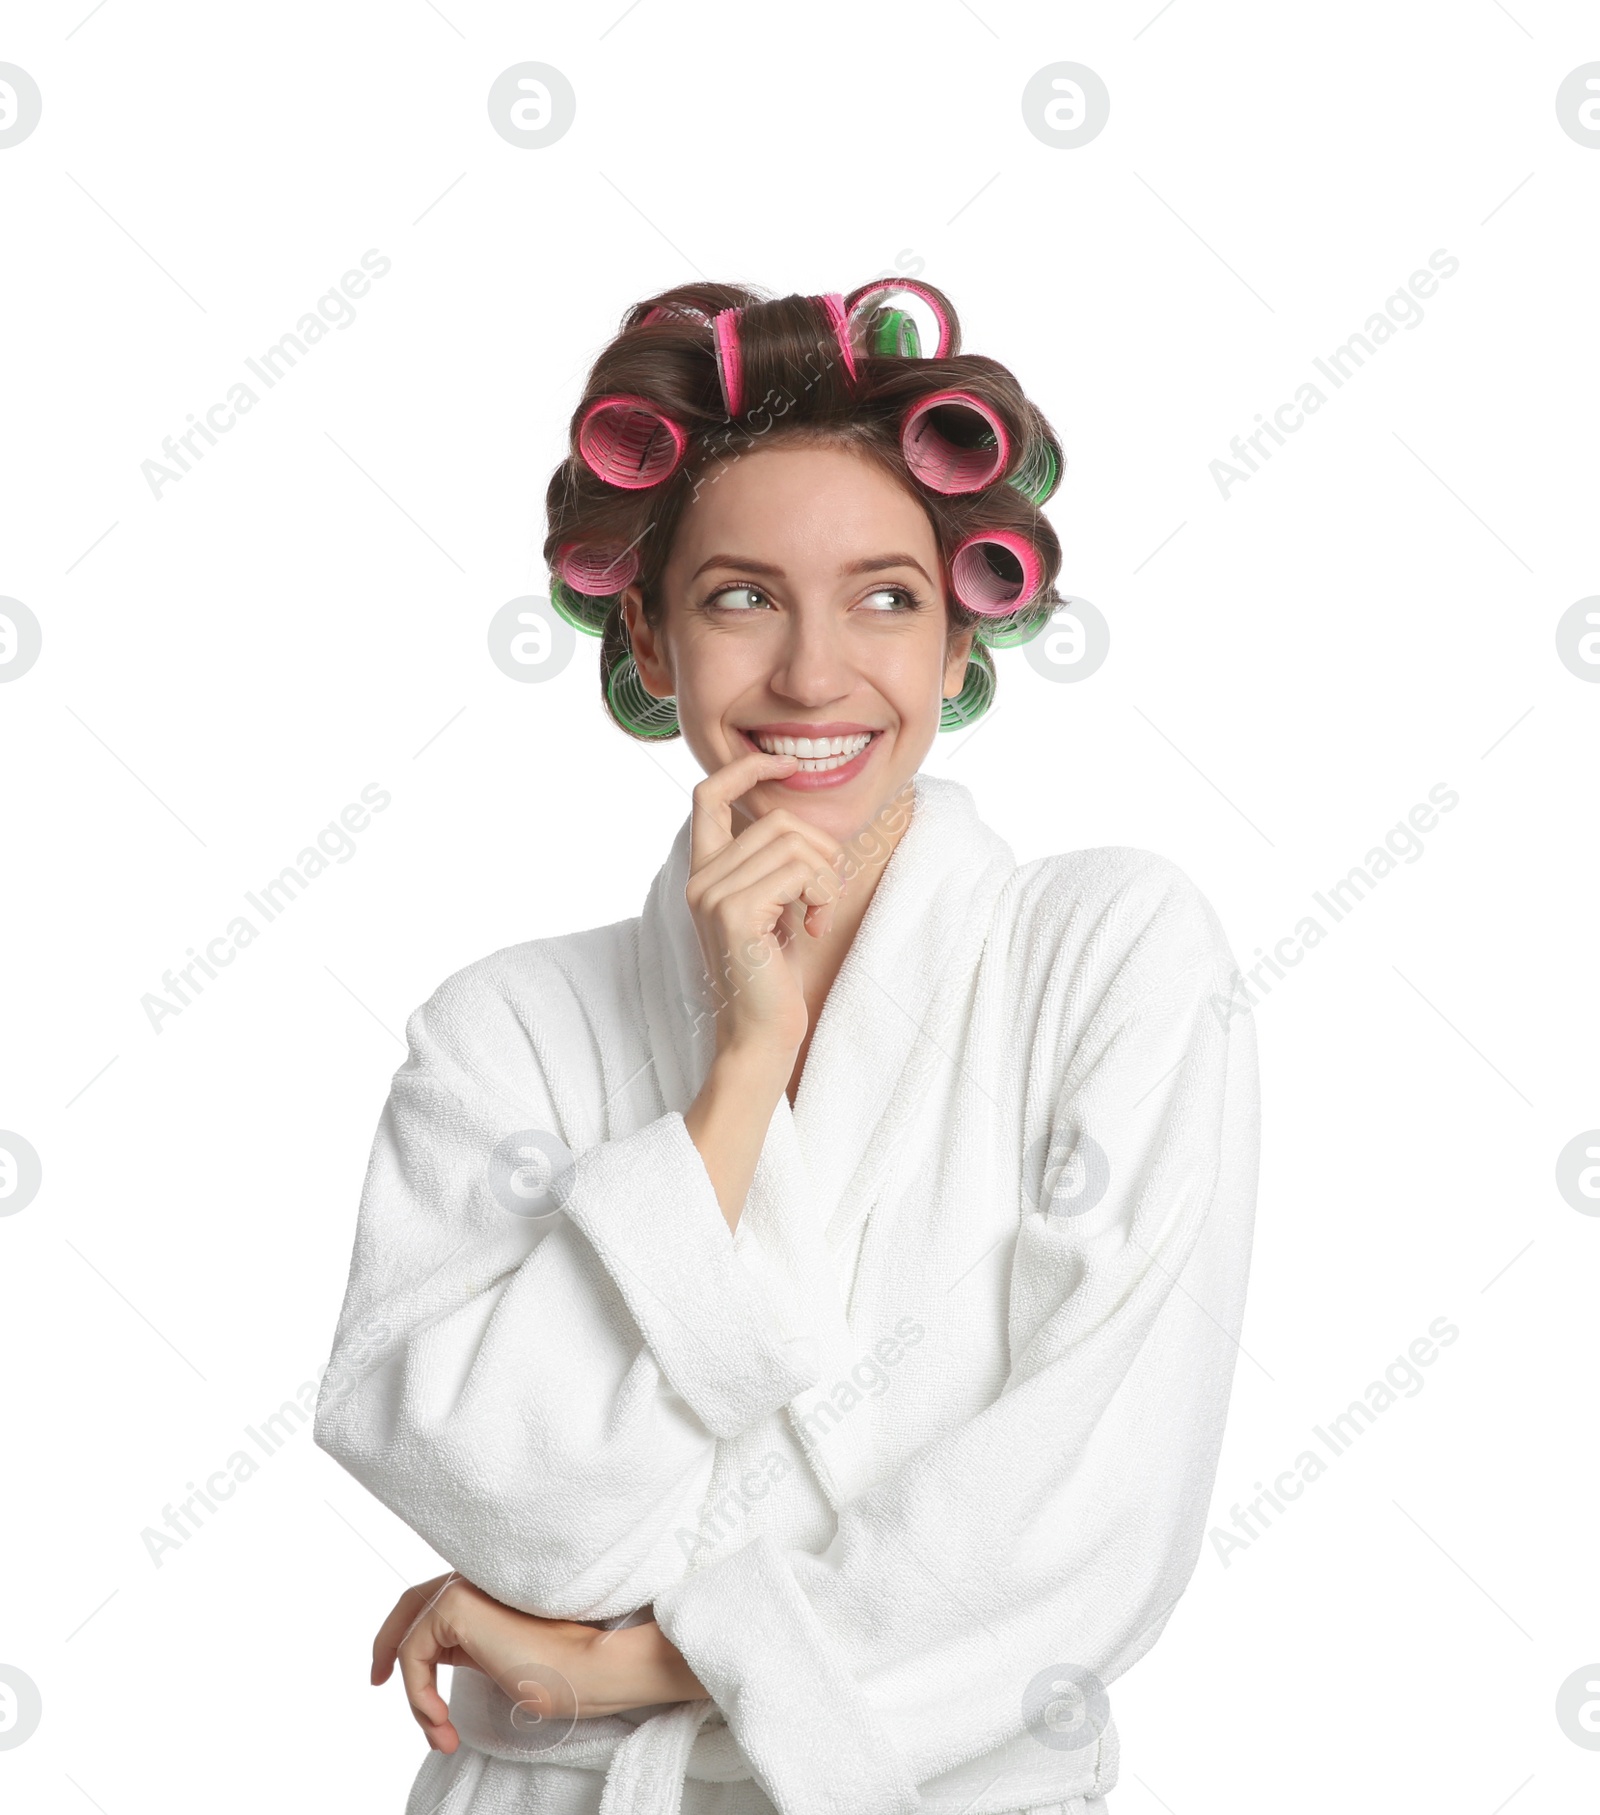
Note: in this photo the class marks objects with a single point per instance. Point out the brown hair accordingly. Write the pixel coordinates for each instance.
(664, 355)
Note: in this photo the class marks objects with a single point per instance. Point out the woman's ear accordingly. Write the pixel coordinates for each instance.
(646, 645)
(955, 666)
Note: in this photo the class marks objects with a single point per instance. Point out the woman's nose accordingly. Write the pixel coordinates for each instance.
(813, 665)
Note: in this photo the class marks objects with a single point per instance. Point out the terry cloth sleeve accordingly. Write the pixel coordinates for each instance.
(1045, 1540)
(538, 1394)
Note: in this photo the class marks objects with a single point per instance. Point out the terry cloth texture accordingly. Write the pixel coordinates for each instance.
(914, 1462)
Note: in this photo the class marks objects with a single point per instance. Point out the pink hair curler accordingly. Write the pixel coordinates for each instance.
(628, 442)
(597, 571)
(833, 302)
(985, 585)
(681, 312)
(730, 363)
(897, 286)
(943, 439)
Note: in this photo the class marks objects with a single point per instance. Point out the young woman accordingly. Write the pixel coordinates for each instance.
(803, 1315)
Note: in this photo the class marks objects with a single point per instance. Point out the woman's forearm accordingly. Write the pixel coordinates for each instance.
(729, 1118)
(597, 1671)
(639, 1666)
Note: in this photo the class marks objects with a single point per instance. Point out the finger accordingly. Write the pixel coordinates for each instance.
(763, 833)
(782, 819)
(387, 1643)
(774, 903)
(755, 896)
(419, 1672)
(387, 1640)
(812, 918)
(711, 817)
(819, 919)
(780, 826)
(415, 1604)
(751, 855)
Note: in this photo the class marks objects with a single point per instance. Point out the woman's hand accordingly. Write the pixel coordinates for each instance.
(750, 895)
(558, 1670)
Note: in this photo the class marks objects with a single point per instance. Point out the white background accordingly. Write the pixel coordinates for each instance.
(225, 667)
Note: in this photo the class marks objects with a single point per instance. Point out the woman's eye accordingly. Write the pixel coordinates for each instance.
(889, 598)
(737, 598)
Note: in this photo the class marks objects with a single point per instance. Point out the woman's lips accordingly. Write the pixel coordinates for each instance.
(805, 781)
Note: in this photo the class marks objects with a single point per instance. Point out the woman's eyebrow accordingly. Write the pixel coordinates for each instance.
(740, 561)
(869, 564)
(877, 563)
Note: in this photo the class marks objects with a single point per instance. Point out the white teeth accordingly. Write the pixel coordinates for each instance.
(816, 753)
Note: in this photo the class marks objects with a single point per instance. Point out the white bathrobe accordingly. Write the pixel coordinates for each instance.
(917, 1460)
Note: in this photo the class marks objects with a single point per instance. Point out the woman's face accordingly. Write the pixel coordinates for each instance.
(804, 598)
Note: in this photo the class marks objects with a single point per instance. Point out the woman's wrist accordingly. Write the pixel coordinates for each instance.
(751, 1065)
(735, 1102)
(639, 1666)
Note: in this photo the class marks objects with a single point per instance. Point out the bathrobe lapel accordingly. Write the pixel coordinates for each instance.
(891, 1022)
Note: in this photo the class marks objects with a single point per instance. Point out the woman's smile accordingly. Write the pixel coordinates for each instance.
(827, 756)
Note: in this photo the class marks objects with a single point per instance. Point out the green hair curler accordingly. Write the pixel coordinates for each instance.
(893, 334)
(873, 295)
(1022, 627)
(641, 712)
(1036, 477)
(581, 612)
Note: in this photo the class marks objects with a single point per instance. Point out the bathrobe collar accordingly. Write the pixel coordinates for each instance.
(890, 1021)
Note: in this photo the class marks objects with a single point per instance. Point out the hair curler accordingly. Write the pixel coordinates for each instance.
(585, 614)
(954, 442)
(1036, 477)
(893, 334)
(641, 712)
(995, 572)
(834, 304)
(730, 363)
(627, 441)
(678, 312)
(597, 570)
(857, 316)
(1018, 628)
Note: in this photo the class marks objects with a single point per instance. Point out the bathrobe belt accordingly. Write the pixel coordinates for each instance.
(647, 1771)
